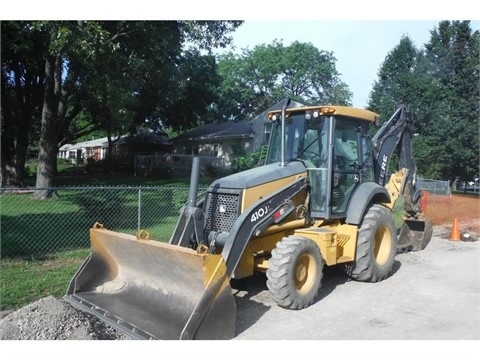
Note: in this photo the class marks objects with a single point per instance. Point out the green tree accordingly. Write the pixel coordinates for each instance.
(70, 45)
(21, 93)
(196, 80)
(258, 78)
(111, 75)
(396, 78)
(440, 83)
(452, 96)
(310, 74)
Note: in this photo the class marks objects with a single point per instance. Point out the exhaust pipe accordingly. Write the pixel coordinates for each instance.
(282, 143)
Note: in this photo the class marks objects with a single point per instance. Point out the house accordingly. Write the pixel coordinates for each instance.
(216, 140)
(224, 140)
(81, 151)
(144, 142)
(262, 127)
(215, 144)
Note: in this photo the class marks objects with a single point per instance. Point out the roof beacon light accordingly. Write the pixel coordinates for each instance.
(326, 110)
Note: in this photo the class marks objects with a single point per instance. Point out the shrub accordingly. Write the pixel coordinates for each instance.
(245, 162)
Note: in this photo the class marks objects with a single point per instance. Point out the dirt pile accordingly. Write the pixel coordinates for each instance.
(54, 319)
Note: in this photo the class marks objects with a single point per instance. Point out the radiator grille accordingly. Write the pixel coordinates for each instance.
(221, 211)
(342, 239)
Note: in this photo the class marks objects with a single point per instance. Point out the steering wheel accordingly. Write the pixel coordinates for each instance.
(313, 157)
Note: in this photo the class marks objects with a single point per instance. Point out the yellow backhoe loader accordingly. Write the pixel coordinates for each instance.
(323, 198)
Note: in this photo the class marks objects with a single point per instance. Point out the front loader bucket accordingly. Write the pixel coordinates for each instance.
(415, 234)
(152, 290)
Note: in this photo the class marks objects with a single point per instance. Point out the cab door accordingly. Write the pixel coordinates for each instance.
(350, 161)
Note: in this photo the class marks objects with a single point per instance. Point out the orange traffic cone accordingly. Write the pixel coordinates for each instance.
(455, 235)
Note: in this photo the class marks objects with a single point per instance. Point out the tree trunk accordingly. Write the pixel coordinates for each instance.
(26, 102)
(8, 169)
(49, 131)
(20, 156)
(8, 176)
(14, 149)
(17, 117)
(455, 184)
(55, 101)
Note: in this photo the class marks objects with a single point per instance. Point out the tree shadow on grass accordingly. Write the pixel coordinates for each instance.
(43, 234)
(46, 227)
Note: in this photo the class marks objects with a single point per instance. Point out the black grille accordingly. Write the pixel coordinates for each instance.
(221, 211)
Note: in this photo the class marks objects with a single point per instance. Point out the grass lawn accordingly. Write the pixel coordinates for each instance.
(26, 280)
(70, 175)
(30, 228)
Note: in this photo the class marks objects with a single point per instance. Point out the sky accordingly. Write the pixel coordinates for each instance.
(359, 46)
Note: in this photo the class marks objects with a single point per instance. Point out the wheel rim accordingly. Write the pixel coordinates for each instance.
(383, 244)
(304, 274)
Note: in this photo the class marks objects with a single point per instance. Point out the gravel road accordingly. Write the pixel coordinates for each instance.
(432, 295)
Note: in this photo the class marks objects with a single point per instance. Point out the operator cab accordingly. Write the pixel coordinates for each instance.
(334, 144)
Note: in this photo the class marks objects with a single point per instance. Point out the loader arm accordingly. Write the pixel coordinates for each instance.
(254, 220)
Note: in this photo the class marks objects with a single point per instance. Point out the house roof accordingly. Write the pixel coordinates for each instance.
(145, 137)
(223, 130)
(277, 106)
(230, 129)
(102, 142)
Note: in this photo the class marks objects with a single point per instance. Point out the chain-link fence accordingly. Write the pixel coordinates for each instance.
(31, 227)
(437, 187)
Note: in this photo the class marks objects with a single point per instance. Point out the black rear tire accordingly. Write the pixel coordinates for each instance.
(376, 247)
(295, 271)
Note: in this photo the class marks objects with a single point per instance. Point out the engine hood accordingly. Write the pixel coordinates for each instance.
(259, 176)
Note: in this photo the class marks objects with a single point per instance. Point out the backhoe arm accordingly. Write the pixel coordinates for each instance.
(397, 130)
(416, 230)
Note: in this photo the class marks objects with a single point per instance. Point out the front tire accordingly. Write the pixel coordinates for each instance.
(376, 247)
(295, 271)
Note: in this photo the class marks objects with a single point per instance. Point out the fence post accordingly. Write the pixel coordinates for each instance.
(139, 211)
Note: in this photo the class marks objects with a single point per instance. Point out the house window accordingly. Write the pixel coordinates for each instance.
(237, 147)
(191, 149)
(215, 150)
(72, 154)
(267, 132)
